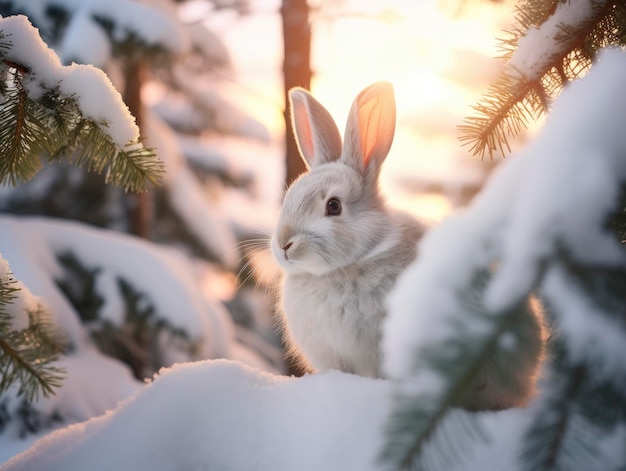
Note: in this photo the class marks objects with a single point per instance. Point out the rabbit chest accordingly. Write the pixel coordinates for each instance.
(335, 320)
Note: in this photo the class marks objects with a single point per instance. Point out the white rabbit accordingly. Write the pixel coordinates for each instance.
(341, 249)
(340, 246)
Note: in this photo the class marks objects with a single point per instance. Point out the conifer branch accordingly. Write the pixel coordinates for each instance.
(22, 138)
(32, 378)
(583, 400)
(503, 113)
(26, 355)
(419, 424)
(575, 415)
(546, 440)
(131, 168)
(519, 96)
(53, 126)
(602, 285)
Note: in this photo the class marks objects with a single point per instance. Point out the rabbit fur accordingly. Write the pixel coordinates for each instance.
(341, 249)
(338, 268)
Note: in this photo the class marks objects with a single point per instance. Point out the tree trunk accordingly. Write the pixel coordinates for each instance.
(139, 204)
(296, 71)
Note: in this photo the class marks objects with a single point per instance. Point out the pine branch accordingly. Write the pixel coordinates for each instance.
(603, 286)
(132, 167)
(577, 412)
(504, 112)
(603, 399)
(53, 126)
(18, 367)
(5, 45)
(135, 340)
(546, 444)
(25, 139)
(26, 355)
(22, 137)
(424, 431)
(602, 403)
(520, 95)
(442, 443)
(584, 399)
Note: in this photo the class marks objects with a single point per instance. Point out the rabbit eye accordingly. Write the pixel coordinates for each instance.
(333, 207)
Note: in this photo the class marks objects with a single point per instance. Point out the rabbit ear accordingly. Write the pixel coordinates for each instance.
(370, 128)
(316, 133)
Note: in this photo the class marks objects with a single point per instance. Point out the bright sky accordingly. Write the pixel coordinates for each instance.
(438, 55)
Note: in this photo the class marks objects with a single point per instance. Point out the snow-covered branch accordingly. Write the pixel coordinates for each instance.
(540, 225)
(54, 110)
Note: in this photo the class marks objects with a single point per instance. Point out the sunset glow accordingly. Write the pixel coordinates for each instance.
(440, 61)
(437, 54)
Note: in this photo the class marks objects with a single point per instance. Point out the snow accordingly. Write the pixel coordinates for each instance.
(85, 42)
(538, 46)
(163, 274)
(93, 384)
(38, 271)
(207, 158)
(156, 26)
(36, 10)
(424, 303)
(23, 300)
(208, 106)
(96, 383)
(187, 196)
(89, 86)
(523, 215)
(593, 336)
(87, 386)
(152, 24)
(222, 415)
(576, 162)
(28, 49)
(113, 307)
(209, 45)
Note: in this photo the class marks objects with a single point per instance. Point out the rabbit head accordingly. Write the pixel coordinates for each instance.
(334, 215)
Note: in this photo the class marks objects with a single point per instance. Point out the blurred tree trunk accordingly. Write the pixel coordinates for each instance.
(296, 71)
(139, 204)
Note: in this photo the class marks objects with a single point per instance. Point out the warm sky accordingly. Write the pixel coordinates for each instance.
(438, 55)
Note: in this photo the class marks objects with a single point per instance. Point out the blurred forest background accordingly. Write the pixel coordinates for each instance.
(206, 82)
(133, 282)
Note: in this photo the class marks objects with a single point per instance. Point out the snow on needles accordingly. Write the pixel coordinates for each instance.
(536, 49)
(89, 86)
(553, 196)
(23, 300)
(160, 272)
(576, 168)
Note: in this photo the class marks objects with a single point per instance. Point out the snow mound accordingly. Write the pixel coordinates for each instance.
(222, 415)
(219, 414)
